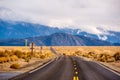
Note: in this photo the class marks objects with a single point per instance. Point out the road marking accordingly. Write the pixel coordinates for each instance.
(108, 68)
(75, 78)
(103, 66)
(41, 66)
(75, 68)
(76, 72)
(74, 65)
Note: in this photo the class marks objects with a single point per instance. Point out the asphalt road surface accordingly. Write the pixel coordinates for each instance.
(71, 68)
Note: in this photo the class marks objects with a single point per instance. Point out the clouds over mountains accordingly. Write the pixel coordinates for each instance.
(87, 15)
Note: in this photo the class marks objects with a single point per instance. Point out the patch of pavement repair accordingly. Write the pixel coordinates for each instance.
(7, 75)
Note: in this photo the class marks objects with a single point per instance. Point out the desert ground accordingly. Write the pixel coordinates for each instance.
(21, 59)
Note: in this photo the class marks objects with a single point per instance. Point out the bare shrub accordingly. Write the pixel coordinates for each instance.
(42, 56)
(13, 58)
(3, 59)
(15, 66)
(117, 56)
(2, 54)
(18, 53)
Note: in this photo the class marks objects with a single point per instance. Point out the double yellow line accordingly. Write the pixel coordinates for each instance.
(75, 77)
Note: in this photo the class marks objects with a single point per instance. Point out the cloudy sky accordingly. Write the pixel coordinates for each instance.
(87, 15)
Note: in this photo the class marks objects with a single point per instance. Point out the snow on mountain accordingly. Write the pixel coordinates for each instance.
(23, 29)
(14, 25)
(110, 36)
(57, 39)
(102, 37)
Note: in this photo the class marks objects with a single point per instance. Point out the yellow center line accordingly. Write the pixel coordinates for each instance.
(75, 78)
(74, 65)
(75, 68)
(76, 73)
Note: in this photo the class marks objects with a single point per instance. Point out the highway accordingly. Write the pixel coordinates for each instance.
(70, 68)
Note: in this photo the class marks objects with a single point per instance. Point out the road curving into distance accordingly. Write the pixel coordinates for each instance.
(70, 68)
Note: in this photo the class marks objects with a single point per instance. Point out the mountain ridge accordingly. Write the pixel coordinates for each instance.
(57, 39)
(15, 25)
(12, 29)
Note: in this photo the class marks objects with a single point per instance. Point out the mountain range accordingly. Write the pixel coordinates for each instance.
(57, 39)
(13, 27)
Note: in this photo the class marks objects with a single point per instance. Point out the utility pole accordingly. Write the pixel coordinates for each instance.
(32, 48)
(26, 42)
(41, 48)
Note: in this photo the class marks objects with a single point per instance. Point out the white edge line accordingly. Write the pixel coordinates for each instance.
(108, 68)
(41, 66)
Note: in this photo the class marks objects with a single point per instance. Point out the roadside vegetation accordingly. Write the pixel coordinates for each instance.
(8, 56)
(103, 57)
(98, 53)
(15, 66)
(16, 55)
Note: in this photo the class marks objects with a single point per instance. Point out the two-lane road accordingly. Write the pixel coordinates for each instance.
(89, 70)
(60, 69)
(71, 68)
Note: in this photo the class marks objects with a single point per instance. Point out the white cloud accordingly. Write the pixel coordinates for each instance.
(61, 23)
(86, 15)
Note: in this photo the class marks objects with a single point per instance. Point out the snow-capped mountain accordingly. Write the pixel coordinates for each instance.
(57, 39)
(110, 36)
(13, 25)
(24, 29)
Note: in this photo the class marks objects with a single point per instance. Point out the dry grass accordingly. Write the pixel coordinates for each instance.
(8, 54)
(99, 53)
(107, 55)
(103, 53)
(15, 66)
